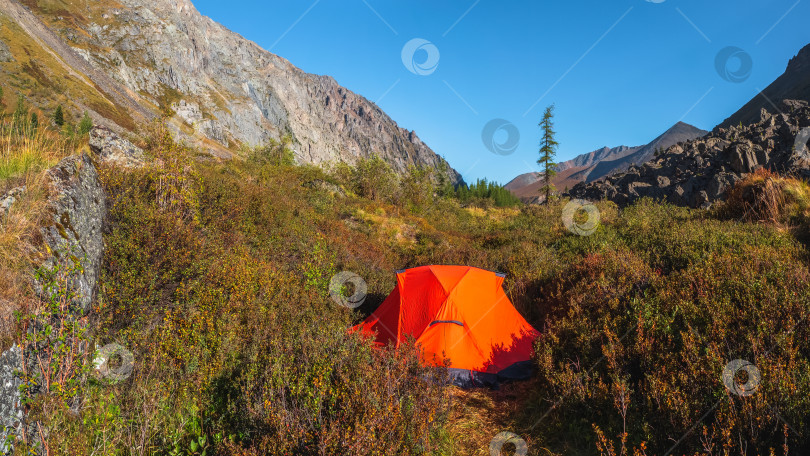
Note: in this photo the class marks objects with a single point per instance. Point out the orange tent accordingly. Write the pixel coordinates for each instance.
(459, 314)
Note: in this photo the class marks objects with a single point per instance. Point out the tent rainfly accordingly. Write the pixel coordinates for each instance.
(460, 317)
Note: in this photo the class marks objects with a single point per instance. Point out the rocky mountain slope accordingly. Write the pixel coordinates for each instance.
(128, 61)
(699, 172)
(793, 84)
(601, 163)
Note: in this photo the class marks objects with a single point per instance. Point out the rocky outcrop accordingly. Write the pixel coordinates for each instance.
(72, 232)
(77, 66)
(11, 413)
(678, 133)
(698, 173)
(114, 149)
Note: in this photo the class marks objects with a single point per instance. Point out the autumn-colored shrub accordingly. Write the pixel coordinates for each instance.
(764, 196)
(637, 343)
(240, 349)
(219, 287)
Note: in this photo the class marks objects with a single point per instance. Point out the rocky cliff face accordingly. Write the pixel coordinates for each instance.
(223, 89)
(699, 172)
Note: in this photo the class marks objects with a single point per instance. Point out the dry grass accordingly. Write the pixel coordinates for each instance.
(765, 196)
(477, 415)
(24, 158)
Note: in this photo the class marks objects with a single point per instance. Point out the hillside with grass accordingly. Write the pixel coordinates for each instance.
(216, 278)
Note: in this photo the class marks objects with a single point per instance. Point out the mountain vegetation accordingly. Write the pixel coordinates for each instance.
(170, 229)
(216, 277)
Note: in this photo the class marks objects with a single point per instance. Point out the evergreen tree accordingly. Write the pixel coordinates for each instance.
(20, 112)
(85, 125)
(59, 116)
(548, 149)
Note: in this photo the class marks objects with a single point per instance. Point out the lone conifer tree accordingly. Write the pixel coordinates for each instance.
(59, 116)
(548, 149)
(20, 112)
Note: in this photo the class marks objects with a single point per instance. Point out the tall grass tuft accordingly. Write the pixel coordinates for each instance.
(25, 154)
(765, 196)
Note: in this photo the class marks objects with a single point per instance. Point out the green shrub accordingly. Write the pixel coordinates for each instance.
(275, 153)
(85, 125)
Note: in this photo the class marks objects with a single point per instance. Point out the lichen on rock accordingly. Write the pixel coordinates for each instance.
(73, 230)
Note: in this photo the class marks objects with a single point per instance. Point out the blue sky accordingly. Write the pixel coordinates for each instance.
(618, 71)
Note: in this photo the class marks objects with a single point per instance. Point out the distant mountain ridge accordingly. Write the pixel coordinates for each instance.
(600, 163)
(605, 153)
(679, 132)
(793, 84)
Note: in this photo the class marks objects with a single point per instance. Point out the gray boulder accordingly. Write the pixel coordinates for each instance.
(11, 414)
(743, 158)
(9, 198)
(114, 149)
(72, 231)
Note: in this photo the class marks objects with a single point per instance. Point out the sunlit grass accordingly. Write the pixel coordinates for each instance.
(25, 155)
